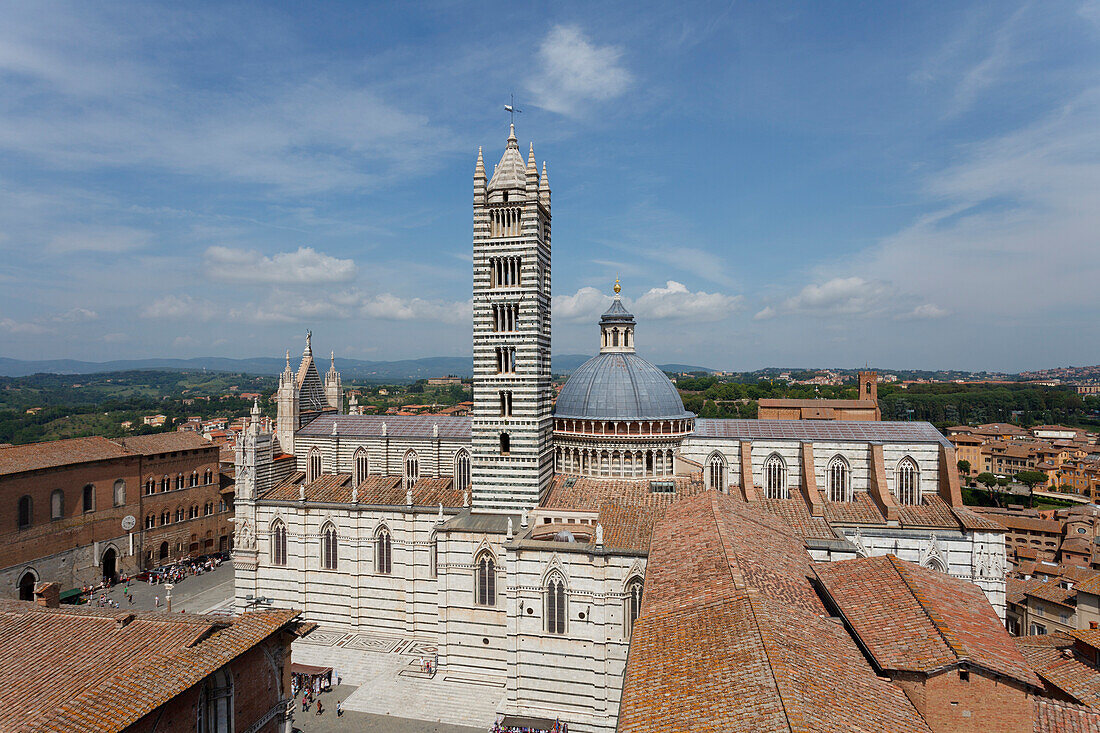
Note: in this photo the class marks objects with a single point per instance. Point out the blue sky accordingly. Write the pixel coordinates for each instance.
(788, 184)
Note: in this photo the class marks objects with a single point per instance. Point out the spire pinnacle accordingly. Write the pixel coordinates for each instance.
(513, 141)
(309, 343)
(332, 359)
(479, 169)
(618, 287)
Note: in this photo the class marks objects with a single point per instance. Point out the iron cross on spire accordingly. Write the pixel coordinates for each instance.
(511, 108)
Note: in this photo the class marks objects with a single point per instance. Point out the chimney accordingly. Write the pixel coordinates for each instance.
(1094, 625)
(47, 595)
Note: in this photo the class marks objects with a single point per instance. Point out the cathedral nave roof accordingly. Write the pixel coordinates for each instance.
(375, 490)
(451, 427)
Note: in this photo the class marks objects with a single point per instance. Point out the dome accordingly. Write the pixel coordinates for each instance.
(619, 386)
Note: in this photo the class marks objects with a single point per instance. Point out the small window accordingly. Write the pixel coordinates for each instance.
(662, 487)
(24, 518)
(57, 504)
(485, 583)
(89, 498)
(505, 444)
(118, 494)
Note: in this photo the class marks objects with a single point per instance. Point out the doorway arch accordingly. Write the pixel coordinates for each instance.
(26, 586)
(109, 565)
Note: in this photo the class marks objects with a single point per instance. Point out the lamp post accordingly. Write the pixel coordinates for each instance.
(168, 588)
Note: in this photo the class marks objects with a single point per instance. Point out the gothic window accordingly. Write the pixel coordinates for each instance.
(24, 519)
(633, 606)
(150, 521)
(433, 555)
(934, 563)
(165, 482)
(215, 708)
(278, 543)
(361, 466)
(314, 466)
(462, 470)
(57, 504)
(89, 498)
(838, 479)
(193, 512)
(179, 481)
(506, 359)
(118, 494)
(485, 581)
(208, 476)
(412, 468)
(165, 518)
(194, 481)
(383, 552)
(150, 487)
(505, 444)
(179, 514)
(505, 403)
(716, 472)
(554, 605)
(775, 477)
(328, 547)
(907, 481)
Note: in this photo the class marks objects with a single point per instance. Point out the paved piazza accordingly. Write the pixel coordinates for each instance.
(386, 670)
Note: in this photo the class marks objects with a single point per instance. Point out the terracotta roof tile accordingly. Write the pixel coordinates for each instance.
(1060, 717)
(374, 490)
(151, 445)
(1053, 658)
(56, 453)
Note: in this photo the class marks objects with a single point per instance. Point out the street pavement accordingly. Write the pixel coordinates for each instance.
(327, 722)
(207, 593)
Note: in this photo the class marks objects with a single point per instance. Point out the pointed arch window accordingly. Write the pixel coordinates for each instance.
(329, 547)
(165, 482)
(554, 605)
(907, 481)
(934, 563)
(775, 477)
(215, 708)
(313, 466)
(462, 470)
(383, 552)
(412, 468)
(838, 479)
(716, 472)
(278, 543)
(632, 604)
(362, 466)
(485, 581)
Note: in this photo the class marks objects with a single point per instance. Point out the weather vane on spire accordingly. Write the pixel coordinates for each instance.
(511, 108)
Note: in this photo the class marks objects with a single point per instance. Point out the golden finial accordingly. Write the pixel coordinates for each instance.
(618, 288)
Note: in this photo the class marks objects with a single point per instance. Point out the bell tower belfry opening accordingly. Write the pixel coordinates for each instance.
(511, 338)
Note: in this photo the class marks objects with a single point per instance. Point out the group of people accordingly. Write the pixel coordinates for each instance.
(176, 573)
(308, 700)
(500, 727)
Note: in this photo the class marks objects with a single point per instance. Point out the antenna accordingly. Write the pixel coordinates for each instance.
(511, 108)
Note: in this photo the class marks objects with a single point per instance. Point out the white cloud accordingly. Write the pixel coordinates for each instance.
(178, 307)
(926, 311)
(573, 71)
(13, 326)
(839, 296)
(765, 313)
(394, 308)
(584, 305)
(305, 266)
(75, 315)
(674, 300)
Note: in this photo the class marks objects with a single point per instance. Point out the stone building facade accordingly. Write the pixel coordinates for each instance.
(529, 569)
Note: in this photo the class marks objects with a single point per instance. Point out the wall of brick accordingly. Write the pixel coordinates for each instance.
(981, 703)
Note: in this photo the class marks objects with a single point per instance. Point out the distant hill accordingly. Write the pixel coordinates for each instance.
(405, 370)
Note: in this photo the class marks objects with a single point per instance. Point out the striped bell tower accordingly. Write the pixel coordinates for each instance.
(512, 460)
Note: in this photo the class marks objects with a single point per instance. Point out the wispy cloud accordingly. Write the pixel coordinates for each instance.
(304, 266)
(674, 301)
(574, 71)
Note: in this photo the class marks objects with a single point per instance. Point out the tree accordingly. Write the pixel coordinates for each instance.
(988, 480)
(964, 467)
(1031, 479)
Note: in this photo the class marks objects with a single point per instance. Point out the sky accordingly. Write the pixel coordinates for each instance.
(906, 185)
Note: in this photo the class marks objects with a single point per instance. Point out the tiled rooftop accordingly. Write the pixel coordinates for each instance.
(451, 427)
(919, 620)
(72, 669)
(374, 490)
(150, 445)
(733, 636)
(1060, 717)
(1053, 659)
(56, 453)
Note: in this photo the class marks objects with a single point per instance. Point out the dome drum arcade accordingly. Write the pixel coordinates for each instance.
(618, 416)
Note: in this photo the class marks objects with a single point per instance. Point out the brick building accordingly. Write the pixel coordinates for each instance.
(80, 510)
(72, 668)
(864, 407)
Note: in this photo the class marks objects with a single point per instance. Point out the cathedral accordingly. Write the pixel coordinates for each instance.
(517, 538)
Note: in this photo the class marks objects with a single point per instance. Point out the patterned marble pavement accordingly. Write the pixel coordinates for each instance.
(373, 663)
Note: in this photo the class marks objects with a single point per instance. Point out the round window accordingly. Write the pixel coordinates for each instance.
(1081, 530)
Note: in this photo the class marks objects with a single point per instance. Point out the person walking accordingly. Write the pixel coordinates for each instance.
(339, 709)
(320, 709)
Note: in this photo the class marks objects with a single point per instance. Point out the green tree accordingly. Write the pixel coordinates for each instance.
(1031, 479)
(964, 467)
(988, 480)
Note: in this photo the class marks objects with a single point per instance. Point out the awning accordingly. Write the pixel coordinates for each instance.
(72, 593)
(524, 721)
(309, 669)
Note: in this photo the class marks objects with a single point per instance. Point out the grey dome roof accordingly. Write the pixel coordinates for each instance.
(619, 386)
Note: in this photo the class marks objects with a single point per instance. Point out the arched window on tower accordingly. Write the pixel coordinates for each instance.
(383, 552)
(278, 543)
(412, 469)
(462, 470)
(505, 444)
(554, 604)
(632, 604)
(361, 466)
(485, 580)
(907, 481)
(313, 466)
(838, 479)
(329, 547)
(716, 472)
(775, 477)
